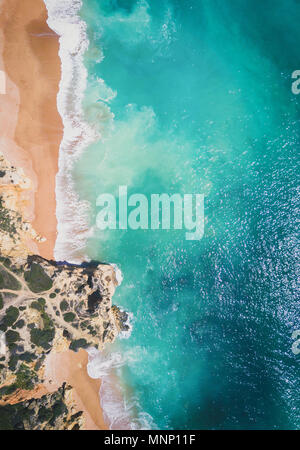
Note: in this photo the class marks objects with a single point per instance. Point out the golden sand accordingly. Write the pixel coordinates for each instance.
(30, 134)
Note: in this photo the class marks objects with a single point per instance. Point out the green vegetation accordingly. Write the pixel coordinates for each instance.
(12, 337)
(8, 390)
(8, 281)
(12, 416)
(6, 223)
(37, 305)
(25, 378)
(64, 305)
(9, 319)
(27, 357)
(19, 324)
(39, 363)
(13, 362)
(51, 414)
(37, 279)
(52, 295)
(42, 338)
(12, 314)
(6, 262)
(77, 344)
(84, 324)
(48, 322)
(58, 409)
(45, 414)
(1, 302)
(69, 317)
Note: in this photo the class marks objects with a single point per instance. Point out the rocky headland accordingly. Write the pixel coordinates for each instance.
(45, 306)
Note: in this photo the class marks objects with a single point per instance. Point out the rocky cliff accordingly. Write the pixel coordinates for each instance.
(45, 306)
(51, 411)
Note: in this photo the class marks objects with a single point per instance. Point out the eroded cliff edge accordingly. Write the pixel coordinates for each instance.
(45, 306)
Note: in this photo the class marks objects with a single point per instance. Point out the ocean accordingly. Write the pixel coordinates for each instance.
(188, 96)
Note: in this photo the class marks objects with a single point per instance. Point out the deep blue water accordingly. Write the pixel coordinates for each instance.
(195, 97)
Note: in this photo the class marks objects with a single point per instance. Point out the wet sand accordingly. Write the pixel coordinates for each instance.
(30, 134)
(71, 367)
(32, 67)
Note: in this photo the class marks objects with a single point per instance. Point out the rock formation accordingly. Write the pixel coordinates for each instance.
(44, 306)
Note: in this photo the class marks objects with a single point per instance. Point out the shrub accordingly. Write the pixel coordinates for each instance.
(48, 322)
(69, 317)
(7, 281)
(77, 344)
(25, 378)
(7, 390)
(12, 337)
(27, 357)
(36, 305)
(42, 338)
(12, 363)
(58, 409)
(39, 363)
(37, 279)
(45, 414)
(64, 305)
(20, 324)
(12, 314)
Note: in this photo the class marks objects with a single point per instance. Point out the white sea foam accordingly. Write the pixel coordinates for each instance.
(121, 411)
(118, 272)
(72, 213)
(126, 334)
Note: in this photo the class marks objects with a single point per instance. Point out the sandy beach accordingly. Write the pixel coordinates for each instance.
(71, 367)
(32, 65)
(31, 132)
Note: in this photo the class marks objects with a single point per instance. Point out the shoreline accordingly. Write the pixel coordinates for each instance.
(31, 133)
(72, 367)
(32, 67)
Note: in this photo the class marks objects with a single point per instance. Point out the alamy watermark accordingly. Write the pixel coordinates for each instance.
(296, 344)
(296, 83)
(159, 211)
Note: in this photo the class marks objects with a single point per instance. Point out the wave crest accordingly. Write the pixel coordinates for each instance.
(121, 411)
(72, 213)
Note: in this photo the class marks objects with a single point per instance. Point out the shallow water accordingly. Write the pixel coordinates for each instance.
(195, 97)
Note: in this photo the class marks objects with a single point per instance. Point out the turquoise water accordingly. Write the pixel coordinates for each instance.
(195, 97)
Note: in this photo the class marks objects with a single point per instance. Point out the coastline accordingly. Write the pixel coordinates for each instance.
(32, 66)
(31, 133)
(72, 368)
